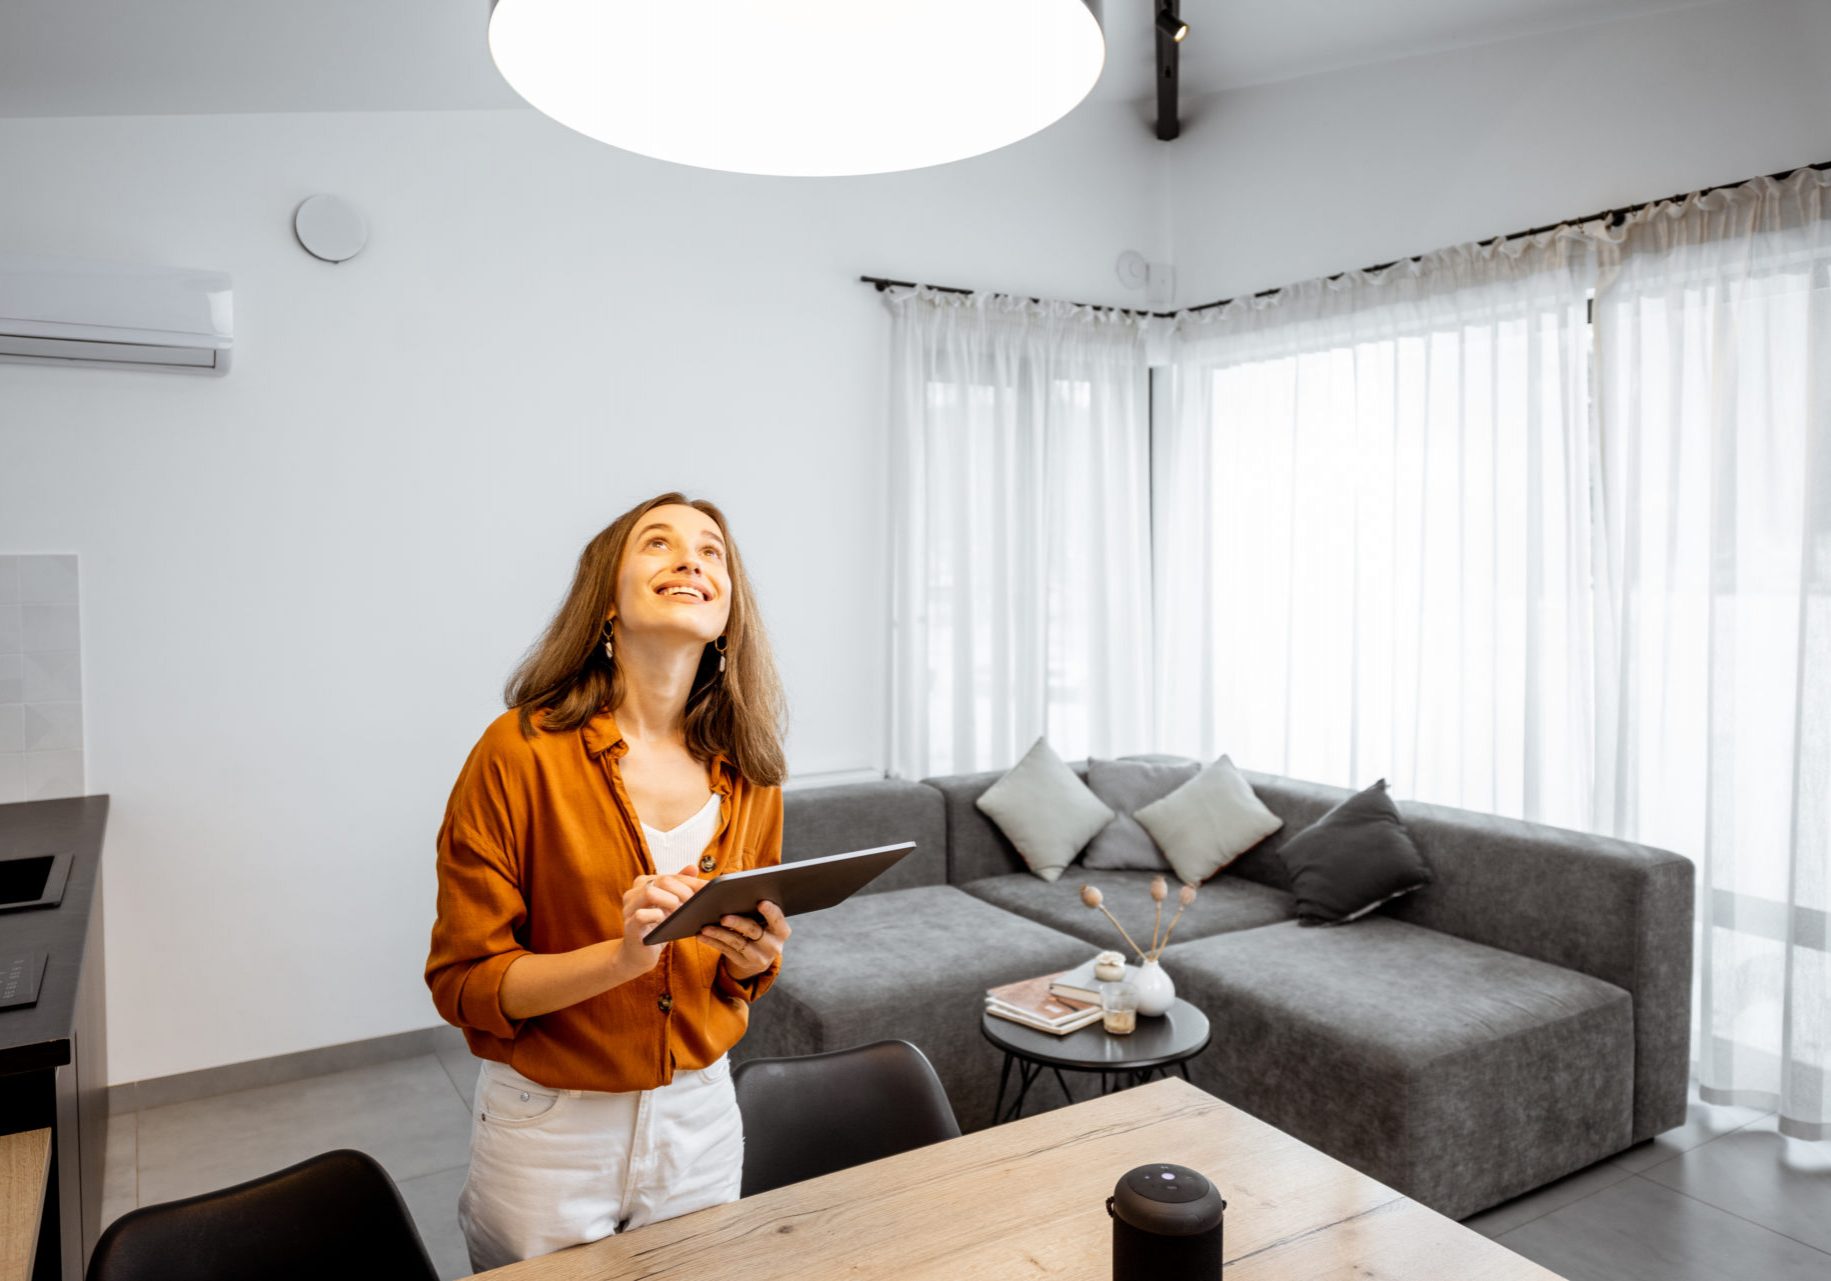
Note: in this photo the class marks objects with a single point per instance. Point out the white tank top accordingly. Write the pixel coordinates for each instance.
(683, 846)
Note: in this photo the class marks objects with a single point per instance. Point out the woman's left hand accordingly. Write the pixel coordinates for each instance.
(747, 947)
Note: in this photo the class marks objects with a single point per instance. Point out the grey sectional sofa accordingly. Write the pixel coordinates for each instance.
(1524, 1016)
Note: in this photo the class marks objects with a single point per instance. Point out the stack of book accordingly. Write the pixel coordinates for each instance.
(1034, 1005)
(1078, 984)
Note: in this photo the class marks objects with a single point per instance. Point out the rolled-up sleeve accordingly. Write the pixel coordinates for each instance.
(747, 989)
(476, 935)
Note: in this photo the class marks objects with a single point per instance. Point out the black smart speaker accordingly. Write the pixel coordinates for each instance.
(1166, 1225)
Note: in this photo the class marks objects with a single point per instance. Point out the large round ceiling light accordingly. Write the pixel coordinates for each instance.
(801, 87)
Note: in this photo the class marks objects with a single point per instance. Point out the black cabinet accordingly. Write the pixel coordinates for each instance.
(54, 1054)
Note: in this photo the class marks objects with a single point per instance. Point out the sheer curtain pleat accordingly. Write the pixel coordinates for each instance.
(1020, 567)
(1373, 532)
(1713, 334)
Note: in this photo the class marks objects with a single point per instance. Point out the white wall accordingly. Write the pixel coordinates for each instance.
(1279, 183)
(304, 584)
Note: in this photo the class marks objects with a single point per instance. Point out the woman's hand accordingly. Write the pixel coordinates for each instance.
(747, 947)
(646, 904)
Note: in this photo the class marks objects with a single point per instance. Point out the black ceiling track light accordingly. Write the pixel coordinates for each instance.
(1170, 32)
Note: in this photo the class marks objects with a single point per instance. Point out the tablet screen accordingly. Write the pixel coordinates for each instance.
(805, 885)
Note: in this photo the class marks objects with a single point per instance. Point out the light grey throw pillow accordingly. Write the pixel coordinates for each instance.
(1208, 822)
(1044, 810)
(1122, 845)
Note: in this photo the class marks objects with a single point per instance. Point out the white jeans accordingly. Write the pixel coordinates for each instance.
(552, 1168)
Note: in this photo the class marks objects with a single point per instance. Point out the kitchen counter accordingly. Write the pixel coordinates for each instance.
(39, 1036)
(53, 1054)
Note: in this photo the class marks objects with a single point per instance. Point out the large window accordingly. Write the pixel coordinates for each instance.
(1021, 564)
(1714, 348)
(1374, 540)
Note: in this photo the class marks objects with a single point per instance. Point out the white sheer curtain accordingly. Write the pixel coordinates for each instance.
(1373, 532)
(1020, 532)
(1713, 340)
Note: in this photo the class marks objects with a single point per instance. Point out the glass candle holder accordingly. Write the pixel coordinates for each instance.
(1119, 1008)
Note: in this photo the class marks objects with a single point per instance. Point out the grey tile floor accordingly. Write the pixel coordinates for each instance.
(412, 1115)
(1723, 1195)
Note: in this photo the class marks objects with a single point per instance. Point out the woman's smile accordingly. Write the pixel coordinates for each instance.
(692, 592)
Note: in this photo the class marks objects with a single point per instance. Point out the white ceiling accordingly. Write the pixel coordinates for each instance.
(163, 57)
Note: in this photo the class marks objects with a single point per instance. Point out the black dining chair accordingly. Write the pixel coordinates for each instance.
(337, 1214)
(812, 1115)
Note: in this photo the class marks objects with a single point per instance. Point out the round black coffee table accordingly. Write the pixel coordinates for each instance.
(1167, 1041)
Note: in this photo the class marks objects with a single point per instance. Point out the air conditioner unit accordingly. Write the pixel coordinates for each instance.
(68, 311)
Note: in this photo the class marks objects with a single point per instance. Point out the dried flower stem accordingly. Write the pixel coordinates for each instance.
(1156, 925)
(1158, 951)
(1122, 933)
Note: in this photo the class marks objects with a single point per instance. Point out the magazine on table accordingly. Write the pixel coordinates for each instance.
(1032, 1003)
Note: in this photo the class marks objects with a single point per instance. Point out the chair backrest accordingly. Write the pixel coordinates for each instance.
(808, 1116)
(337, 1214)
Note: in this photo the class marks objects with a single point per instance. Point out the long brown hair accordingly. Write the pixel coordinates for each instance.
(741, 711)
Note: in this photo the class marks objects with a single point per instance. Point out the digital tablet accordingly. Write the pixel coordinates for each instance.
(806, 885)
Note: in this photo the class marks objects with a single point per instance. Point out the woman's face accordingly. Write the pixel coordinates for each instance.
(675, 547)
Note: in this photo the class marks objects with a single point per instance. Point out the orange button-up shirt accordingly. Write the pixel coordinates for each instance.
(538, 845)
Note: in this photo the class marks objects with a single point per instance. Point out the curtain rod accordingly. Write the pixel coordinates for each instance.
(882, 283)
(1615, 218)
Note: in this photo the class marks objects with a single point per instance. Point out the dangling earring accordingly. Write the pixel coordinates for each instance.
(607, 652)
(721, 653)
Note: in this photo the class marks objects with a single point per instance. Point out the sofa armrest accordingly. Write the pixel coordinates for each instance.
(1612, 909)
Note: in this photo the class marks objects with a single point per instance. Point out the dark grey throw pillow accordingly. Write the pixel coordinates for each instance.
(1352, 859)
(1128, 786)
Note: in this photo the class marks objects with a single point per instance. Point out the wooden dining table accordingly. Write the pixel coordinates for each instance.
(1028, 1199)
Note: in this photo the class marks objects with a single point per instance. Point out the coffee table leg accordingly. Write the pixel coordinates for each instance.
(1027, 1072)
(1183, 1067)
(1066, 1092)
(1003, 1077)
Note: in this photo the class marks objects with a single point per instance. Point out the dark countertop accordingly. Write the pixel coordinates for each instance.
(38, 1036)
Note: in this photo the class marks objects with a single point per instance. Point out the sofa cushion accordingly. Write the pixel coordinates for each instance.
(1122, 845)
(1045, 810)
(1299, 804)
(1353, 859)
(1223, 904)
(975, 846)
(857, 816)
(911, 963)
(1208, 822)
(1456, 1073)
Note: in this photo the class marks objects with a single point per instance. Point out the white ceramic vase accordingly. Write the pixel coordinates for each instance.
(1156, 993)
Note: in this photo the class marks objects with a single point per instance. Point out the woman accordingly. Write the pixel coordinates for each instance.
(640, 756)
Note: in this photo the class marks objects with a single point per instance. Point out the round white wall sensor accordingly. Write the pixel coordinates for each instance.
(330, 228)
(1132, 269)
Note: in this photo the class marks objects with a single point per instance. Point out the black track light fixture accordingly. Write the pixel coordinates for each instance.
(1170, 32)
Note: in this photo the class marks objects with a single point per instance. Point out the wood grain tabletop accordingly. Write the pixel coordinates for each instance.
(1028, 1199)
